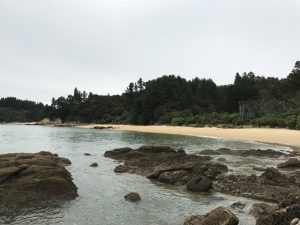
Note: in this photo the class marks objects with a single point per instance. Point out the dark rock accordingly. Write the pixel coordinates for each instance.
(117, 152)
(245, 153)
(291, 163)
(272, 185)
(238, 205)
(272, 215)
(272, 176)
(158, 149)
(102, 127)
(262, 208)
(172, 177)
(121, 169)
(32, 180)
(167, 165)
(218, 216)
(133, 197)
(291, 199)
(94, 165)
(201, 183)
(87, 154)
(194, 220)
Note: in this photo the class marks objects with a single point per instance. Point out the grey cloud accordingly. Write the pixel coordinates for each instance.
(100, 46)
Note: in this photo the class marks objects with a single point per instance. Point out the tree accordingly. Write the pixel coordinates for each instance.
(140, 84)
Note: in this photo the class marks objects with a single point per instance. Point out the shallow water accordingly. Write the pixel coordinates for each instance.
(101, 191)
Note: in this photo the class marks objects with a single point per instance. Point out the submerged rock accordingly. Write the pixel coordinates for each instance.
(30, 180)
(133, 197)
(238, 205)
(167, 165)
(218, 216)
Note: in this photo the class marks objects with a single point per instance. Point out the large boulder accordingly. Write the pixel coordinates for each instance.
(218, 216)
(28, 180)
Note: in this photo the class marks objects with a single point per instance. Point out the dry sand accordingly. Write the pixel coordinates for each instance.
(267, 135)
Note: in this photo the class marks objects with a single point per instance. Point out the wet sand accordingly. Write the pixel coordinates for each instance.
(267, 135)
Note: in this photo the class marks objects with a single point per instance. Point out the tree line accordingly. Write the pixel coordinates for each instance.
(250, 100)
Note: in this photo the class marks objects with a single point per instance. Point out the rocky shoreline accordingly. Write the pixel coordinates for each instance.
(34, 180)
(199, 173)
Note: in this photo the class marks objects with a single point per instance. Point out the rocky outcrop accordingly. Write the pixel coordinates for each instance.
(28, 180)
(167, 165)
(198, 173)
(272, 185)
(218, 216)
(245, 153)
(291, 163)
(133, 197)
(273, 215)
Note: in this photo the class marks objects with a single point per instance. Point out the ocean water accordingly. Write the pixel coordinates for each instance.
(101, 191)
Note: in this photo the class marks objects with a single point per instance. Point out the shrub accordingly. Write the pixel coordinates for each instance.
(291, 121)
(178, 121)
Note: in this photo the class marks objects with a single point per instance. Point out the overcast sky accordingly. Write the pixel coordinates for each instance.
(48, 47)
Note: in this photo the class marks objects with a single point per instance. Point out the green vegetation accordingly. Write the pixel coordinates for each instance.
(250, 101)
(12, 110)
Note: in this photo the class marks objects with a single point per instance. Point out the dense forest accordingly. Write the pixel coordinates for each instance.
(12, 110)
(250, 100)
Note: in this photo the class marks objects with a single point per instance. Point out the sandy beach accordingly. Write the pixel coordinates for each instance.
(267, 135)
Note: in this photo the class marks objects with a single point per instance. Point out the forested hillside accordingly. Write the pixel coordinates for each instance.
(12, 110)
(250, 100)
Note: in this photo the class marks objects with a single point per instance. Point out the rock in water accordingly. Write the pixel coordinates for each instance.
(32, 180)
(291, 163)
(238, 205)
(272, 185)
(168, 165)
(94, 165)
(218, 216)
(133, 197)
